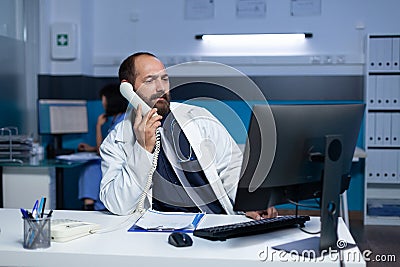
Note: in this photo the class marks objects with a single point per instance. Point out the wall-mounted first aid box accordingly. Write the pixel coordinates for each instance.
(63, 41)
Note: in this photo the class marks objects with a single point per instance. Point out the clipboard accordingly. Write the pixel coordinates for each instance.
(156, 221)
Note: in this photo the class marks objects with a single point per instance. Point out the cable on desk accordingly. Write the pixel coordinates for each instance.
(115, 227)
(297, 213)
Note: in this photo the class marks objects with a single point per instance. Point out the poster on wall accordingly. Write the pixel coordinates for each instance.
(199, 9)
(251, 8)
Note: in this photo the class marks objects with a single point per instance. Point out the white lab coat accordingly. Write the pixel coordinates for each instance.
(126, 163)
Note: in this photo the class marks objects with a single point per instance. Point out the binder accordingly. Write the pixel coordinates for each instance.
(373, 53)
(370, 129)
(386, 53)
(398, 166)
(386, 91)
(395, 130)
(380, 88)
(396, 53)
(395, 91)
(379, 124)
(395, 177)
(371, 92)
(380, 54)
(387, 128)
(372, 166)
(389, 166)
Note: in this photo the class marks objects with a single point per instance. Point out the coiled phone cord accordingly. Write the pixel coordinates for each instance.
(142, 198)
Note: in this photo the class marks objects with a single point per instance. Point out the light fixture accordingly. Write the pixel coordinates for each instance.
(256, 37)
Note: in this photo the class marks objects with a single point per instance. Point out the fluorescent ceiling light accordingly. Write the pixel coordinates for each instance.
(256, 37)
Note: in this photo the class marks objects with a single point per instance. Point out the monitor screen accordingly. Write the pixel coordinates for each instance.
(291, 168)
(62, 116)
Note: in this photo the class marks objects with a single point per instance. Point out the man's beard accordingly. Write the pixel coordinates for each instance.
(163, 106)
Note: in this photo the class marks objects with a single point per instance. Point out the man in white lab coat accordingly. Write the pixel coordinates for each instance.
(198, 165)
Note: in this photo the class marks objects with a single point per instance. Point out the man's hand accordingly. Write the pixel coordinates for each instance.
(271, 212)
(145, 128)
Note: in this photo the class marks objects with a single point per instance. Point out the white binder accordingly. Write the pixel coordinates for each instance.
(371, 92)
(386, 91)
(387, 131)
(396, 53)
(398, 166)
(395, 91)
(373, 56)
(395, 131)
(373, 53)
(392, 85)
(372, 166)
(389, 165)
(387, 53)
(370, 129)
(380, 89)
(379, 124)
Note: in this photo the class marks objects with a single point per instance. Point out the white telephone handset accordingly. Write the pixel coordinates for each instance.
(126, 90)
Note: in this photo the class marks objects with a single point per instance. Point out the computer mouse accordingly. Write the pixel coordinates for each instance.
(179, 239)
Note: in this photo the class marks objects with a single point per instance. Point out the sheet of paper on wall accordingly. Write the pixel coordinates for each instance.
(199, 9)
(305, 8)
(251, 8)
(154, 220)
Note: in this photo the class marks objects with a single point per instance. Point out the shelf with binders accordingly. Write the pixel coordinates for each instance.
(382, 130)
(383, 53)
(383, 92)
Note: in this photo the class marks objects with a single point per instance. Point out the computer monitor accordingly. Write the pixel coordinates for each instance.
(62, 116)
(311, 158)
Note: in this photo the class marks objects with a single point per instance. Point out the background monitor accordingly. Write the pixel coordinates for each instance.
(58, 117)
(314, 149)
(62, 116)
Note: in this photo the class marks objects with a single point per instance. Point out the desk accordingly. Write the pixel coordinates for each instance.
(122, 248)
(36, 162)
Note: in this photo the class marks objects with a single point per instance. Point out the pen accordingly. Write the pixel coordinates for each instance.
(49, 215)
(41, 206)
(25, 214)
(34, 210)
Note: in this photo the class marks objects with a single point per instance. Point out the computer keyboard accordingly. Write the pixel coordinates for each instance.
(223, 232)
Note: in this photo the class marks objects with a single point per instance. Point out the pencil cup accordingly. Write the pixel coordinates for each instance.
(37, 233)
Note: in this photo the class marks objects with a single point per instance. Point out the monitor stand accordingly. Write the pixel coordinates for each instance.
(330, 206)
(58, 147)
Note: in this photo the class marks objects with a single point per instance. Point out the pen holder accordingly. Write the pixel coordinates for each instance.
(37, 233)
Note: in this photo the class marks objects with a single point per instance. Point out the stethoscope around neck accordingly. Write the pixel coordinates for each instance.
(175, 134)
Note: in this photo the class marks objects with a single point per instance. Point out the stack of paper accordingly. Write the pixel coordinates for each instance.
(80, 157)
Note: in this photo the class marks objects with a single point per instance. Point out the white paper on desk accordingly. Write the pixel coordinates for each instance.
(80, 156)
(155, 220)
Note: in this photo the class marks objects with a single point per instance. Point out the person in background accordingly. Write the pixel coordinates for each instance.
(114, 105)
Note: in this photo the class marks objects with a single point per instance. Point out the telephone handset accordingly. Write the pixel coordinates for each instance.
(126, 90)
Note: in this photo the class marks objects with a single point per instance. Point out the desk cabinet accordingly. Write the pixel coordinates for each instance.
(382, 130)
(22, 186)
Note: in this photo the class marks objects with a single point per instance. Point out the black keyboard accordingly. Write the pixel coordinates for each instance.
(223, 232)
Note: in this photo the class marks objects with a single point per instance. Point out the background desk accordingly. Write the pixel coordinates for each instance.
(39, 167)
(122, 248)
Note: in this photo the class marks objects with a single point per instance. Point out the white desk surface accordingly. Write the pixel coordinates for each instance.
(122, 248)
